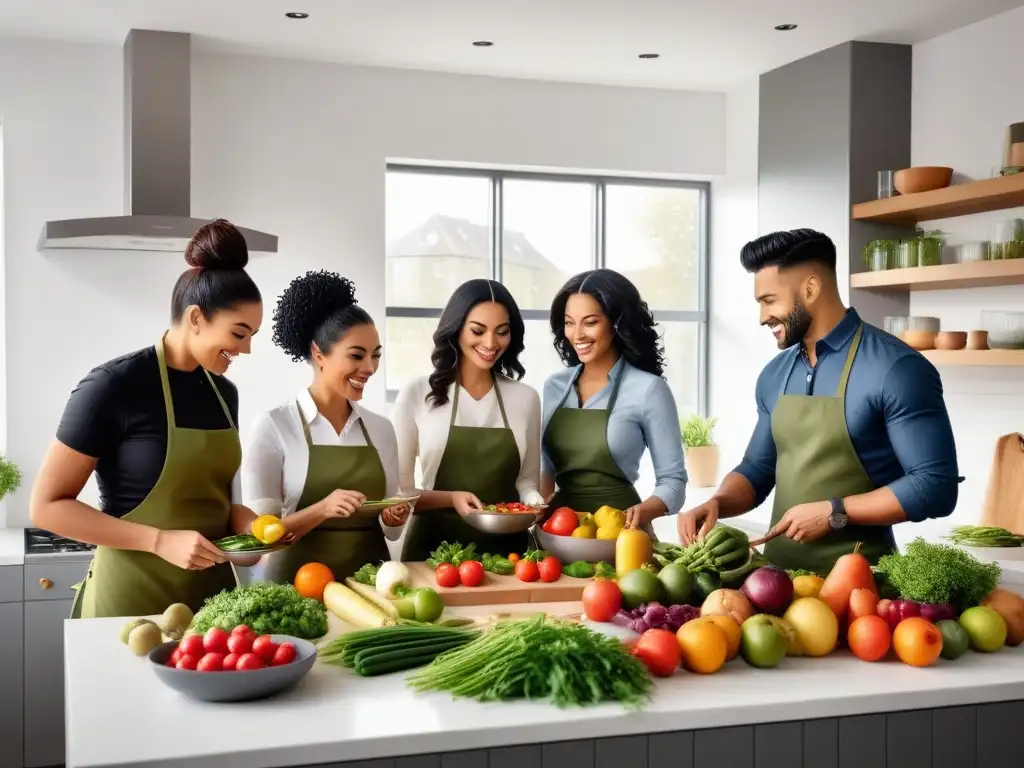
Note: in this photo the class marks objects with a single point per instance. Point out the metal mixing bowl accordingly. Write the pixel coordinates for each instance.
(501, 522)
(569, 550)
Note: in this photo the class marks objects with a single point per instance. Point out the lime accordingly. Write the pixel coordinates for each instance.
(406, 608)
(955, 640)
(678, 583)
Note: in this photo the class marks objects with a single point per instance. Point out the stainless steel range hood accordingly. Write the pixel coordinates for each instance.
(157, 163)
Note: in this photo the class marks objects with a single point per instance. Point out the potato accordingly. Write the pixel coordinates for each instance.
(175, 620)
(1010, 606)
(127, 629)
(144, 638)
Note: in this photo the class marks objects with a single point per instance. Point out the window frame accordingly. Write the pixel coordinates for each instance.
(599, 184)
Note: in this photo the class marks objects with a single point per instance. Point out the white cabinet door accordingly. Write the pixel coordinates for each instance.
(44, 681)
(12, 672)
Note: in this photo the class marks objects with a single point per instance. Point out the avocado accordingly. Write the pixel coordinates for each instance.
(678, 583)
(639, 587)
(705, 583)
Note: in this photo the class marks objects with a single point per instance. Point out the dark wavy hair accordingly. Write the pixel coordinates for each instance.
(635, 331)
(445, 356)
(317, 308)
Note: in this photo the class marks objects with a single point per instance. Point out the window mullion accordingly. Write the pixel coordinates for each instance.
(497, 225)
(600, 256)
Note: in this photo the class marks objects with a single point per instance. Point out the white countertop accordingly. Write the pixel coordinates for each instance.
(333, 715)
(12, 546)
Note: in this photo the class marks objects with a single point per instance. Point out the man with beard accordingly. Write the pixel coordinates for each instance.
(852, 430)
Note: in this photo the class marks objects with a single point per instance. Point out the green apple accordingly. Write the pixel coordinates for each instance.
(761, 643)
(985, 627)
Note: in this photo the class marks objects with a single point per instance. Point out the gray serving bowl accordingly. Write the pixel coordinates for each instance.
(250, 557)
(501, 522)
(569, 550)
(235, 686)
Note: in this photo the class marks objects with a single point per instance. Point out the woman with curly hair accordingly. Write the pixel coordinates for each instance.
(610, 404)
(157, 426)
(315, 459)
(474, 426)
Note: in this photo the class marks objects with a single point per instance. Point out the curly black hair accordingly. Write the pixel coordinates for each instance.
(317, 308)
(636, 335)
(445, 356)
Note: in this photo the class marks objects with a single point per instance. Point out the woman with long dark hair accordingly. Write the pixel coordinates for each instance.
(158, 426)
(315, 459)
(610, 404)
(474, 426)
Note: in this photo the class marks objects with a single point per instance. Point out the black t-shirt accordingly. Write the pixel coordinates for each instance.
(116, 414)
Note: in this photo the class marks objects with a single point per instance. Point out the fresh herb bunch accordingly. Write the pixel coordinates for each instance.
(540, 658)
(456, 554)
(938, 573)
(498, 564)
(367, 575)
(266, 608)
(10, 477)
(985, 536)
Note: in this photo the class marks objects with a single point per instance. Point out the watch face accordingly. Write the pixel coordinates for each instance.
(837, 519)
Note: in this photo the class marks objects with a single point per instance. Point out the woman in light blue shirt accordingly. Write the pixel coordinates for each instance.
(609, 404)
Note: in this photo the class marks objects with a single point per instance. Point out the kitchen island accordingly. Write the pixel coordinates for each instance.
(835, 712)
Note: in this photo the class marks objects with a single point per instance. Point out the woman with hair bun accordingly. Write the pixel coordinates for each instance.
(610, 404)
(473, 425)
(316, 458)
(158, 426)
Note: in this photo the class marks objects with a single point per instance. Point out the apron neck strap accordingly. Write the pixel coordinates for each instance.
(497, 394)
(848, 366)
(220, 398)
(165, 383)
(614, 395)
(309, 437)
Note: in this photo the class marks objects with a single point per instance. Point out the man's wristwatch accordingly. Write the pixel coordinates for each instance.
(837, 517)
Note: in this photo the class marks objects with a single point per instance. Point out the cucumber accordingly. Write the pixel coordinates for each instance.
(394, 665)
(706, 583)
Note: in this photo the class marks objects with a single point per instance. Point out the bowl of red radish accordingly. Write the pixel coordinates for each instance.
(232, 666)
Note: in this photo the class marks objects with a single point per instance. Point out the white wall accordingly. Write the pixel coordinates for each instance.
(967, 90)
(293, 148)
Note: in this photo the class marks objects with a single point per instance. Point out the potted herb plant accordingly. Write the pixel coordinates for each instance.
(701, 450)
(10, 477)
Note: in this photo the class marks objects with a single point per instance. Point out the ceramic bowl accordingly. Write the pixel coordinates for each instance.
(923, 178)
(569, 550)
(920, 340)
(234, 686)
(951, 340)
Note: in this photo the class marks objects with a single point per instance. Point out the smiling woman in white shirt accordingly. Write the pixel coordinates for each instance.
(317, 457)
(473, 425)
(610, 404)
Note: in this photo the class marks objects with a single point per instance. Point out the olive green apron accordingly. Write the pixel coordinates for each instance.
(343, 544)
(586, 475)
(816, 461)
(483, 461)
(193, 493)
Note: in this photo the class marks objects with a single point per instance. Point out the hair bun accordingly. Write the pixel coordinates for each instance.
(217, 245)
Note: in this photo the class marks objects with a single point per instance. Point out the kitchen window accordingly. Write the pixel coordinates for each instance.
(532, 232)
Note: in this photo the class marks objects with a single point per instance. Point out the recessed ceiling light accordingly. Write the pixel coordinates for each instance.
(785, 27)
(649, 55)
(297, 15)
(483, 43)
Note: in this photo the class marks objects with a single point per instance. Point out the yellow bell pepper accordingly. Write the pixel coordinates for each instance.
(585, 532)
(633, 549)
(262, 523)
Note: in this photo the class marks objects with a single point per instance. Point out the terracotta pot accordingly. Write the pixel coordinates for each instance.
(922, 178)
(920, 340)
(977, 339)
(951, 340)
(702, 466)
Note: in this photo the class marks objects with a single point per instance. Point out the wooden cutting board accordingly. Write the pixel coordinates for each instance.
(1004, 499)
(499, 590)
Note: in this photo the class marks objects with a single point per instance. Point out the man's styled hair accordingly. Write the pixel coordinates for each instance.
(789, 249)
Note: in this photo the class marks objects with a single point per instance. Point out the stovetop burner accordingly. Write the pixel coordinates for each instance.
(40, 542)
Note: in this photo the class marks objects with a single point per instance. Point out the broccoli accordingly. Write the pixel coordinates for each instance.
(267, 609)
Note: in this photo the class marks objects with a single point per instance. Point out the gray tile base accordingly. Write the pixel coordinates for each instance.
(983, 736)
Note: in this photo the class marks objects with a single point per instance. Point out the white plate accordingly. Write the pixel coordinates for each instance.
(376, 506)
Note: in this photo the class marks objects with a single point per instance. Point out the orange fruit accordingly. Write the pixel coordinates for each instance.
(311, 579)
(704, 646)
(917, 642)
(863, 602)
(732, 632)
(869, 637)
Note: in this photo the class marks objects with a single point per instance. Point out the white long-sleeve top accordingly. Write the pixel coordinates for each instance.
(275, 461)
(422, 430)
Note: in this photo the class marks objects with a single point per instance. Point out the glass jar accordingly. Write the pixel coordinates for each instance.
(1007, 240)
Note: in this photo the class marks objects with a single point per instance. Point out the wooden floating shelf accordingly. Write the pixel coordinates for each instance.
(974, 274)
(994, 194)
(983, 357)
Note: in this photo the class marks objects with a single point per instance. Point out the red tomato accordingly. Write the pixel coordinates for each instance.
(211, 662)
(659, 650)
(231, 662)
(471, 573)
(601, 600)
(546, 526)
(264, 647)
(187, 662)
(192, 645)
(176, 654)
(550, 568)
(447, 575)
(249, 661)
(526, 570)
(216, 640)
(242, 629)
(240, 643)
(285, 655)
(563, 522)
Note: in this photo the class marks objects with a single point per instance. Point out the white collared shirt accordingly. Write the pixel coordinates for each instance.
(422, 430)
(275, 461)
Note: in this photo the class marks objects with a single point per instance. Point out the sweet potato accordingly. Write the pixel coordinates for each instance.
(1010, 606)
